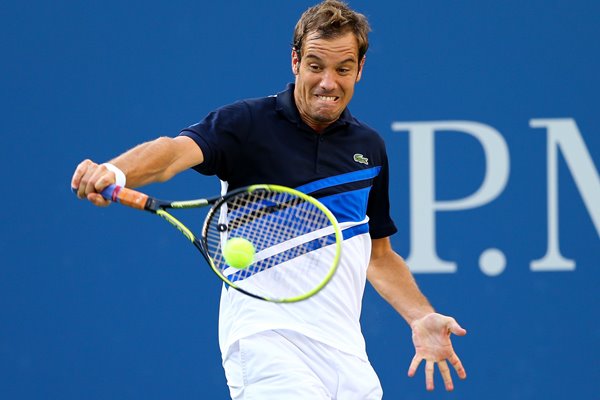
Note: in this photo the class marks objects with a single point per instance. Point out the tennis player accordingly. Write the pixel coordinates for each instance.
(303, 137)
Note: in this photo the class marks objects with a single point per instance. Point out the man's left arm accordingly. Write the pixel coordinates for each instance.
(391, 278)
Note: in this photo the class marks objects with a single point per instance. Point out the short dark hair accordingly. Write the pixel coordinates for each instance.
(331, 19)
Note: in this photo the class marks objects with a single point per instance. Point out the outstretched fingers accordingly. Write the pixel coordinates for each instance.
(429, 370)
(414, 365)
(460, 370)
(446, 376)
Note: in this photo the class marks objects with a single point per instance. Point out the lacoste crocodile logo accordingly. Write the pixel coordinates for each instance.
(359, 158)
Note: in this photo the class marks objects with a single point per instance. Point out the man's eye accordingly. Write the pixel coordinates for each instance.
(314, 67)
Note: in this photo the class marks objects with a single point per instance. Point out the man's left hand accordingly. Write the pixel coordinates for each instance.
(431, 337)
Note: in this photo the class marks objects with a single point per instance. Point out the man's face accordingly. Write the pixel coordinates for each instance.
(325, 78)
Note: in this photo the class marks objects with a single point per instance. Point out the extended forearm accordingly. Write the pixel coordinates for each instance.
(392, 279)
(157, 160)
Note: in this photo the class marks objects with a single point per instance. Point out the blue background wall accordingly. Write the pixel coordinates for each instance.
(108, 303)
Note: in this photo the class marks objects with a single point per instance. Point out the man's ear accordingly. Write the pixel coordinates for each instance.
(295, 62)
(361, 65)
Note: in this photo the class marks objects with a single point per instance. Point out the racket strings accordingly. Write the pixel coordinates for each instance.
(287, 232)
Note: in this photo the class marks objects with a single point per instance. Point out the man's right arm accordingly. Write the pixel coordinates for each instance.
(155, 161)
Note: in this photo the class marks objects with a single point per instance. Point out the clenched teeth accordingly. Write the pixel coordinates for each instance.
(327, 98)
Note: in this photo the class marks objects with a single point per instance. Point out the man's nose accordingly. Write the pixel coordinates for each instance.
(328, 80)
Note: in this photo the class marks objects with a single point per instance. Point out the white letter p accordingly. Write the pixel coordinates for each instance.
(423, 253)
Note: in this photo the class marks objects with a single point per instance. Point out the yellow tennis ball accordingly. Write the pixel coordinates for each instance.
(238, 252)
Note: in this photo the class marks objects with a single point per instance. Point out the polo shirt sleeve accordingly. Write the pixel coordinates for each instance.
(381, 224)
(221, 136)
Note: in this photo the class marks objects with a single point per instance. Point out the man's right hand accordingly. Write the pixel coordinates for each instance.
(90, 179)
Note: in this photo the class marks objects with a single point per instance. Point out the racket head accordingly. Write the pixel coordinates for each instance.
(297, 242)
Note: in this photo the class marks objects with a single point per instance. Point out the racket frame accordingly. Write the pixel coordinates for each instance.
(142, 201)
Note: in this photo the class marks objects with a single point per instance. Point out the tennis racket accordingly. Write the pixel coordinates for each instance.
(297, 240)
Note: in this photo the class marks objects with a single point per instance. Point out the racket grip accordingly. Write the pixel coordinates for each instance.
(127, 197)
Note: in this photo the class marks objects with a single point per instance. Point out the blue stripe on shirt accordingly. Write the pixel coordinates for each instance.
(348, 206)
(349, 177)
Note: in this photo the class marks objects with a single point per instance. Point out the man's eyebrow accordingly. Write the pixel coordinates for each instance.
(313, 56)
(347, 60)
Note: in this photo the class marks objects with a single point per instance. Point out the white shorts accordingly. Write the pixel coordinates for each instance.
(286, 365)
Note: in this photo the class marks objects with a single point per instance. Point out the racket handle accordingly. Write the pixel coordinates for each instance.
(128, 197)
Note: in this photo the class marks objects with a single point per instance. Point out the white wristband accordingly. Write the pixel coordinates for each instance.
(120, 179)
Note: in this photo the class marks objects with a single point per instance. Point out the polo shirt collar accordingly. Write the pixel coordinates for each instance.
(286, 105)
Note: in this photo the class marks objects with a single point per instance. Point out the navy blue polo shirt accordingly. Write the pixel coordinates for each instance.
(264, 140)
